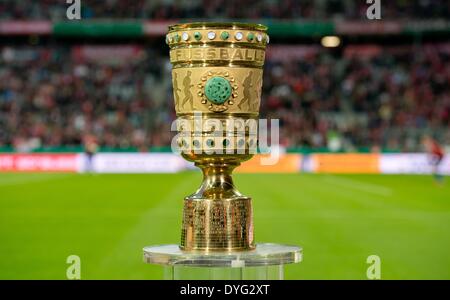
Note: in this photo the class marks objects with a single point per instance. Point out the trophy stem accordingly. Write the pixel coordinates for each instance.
(217, 217)
(217, 181)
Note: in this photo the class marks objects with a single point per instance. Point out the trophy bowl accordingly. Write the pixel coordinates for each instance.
(217, 81)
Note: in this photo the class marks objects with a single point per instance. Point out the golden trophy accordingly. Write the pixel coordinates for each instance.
(217, 82)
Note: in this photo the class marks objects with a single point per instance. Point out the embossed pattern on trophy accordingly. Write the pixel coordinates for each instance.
(217, 71)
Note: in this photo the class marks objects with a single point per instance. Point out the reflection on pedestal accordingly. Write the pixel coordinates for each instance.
(265, 262)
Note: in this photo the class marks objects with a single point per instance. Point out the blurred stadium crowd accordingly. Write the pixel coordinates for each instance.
(50, 96)
(353, 99)
(254, 9)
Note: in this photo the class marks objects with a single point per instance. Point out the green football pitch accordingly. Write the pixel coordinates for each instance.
(339, 220)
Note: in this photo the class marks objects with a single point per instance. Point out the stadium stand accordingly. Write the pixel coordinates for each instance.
(361, 97)
(255, 9)
(52, 96)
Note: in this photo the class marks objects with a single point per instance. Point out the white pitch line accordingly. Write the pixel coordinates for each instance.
(371, 188)
(17, 180)
(144, 226)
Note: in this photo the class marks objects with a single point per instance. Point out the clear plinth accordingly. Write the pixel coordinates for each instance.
(266, 261)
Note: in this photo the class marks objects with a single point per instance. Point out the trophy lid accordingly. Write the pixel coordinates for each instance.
(216, 25)
(217, 33)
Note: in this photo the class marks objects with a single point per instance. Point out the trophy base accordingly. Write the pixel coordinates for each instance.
(265, 262)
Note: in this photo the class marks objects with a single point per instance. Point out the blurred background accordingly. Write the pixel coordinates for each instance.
(353, 95)
(383, 85)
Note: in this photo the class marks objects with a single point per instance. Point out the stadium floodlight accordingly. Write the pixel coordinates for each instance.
(217, 74)
(331, 41)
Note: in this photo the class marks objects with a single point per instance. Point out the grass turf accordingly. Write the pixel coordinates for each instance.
(338, 220)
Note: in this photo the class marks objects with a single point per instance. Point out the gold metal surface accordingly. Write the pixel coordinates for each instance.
(254, 57)
(217, 73)
(189, 83)
(215, 25)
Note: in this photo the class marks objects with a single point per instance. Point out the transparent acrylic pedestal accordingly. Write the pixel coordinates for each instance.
(265, 262)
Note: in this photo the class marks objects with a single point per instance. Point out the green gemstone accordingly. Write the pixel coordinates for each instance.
(217, 90)
(250, 36)
(197, 36)
(224, 35)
